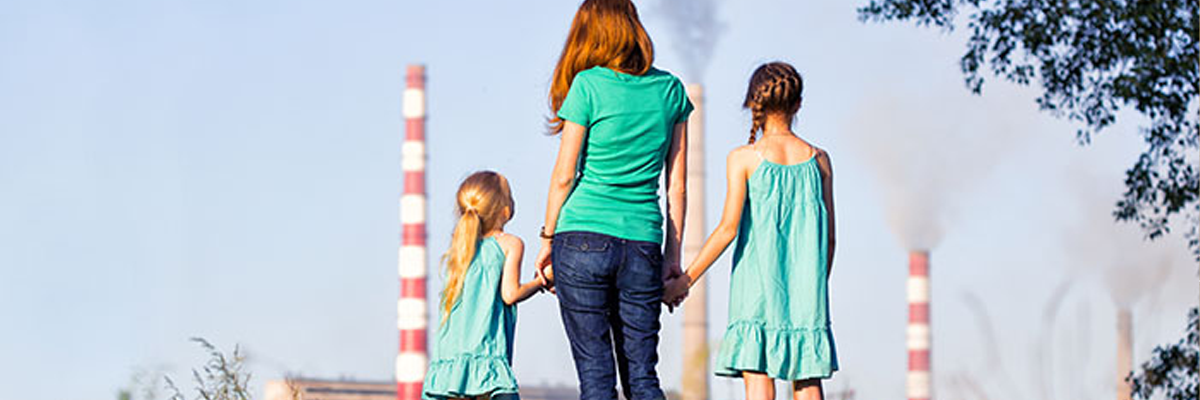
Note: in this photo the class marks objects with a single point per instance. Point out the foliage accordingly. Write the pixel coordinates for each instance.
(221, 378)
(1091, 58)
(1172, 369)
(143, 385)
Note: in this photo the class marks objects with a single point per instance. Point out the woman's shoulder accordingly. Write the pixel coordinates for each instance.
(592, 72)
(602, 72)
(587, 77)
(664, 75)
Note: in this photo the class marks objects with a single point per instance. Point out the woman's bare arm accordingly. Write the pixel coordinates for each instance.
(562, 179)
(676, 182)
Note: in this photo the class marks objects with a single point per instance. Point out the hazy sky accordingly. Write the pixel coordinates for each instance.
(231, 170)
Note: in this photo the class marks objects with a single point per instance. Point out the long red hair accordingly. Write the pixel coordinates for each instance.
(604, 33)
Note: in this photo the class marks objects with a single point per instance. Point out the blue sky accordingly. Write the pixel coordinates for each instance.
(231, 170)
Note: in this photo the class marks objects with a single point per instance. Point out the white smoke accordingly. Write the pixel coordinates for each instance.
(1118, 254)
(926, 151)
(694, 33)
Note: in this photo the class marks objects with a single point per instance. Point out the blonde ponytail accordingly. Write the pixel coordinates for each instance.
(463, 244)
(484, 204)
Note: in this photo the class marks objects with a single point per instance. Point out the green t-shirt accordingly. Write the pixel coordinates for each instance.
(630, 119)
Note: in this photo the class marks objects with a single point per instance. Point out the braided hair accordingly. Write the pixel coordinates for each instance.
(775, 88)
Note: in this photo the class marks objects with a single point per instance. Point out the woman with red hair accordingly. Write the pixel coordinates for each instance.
(622, 124)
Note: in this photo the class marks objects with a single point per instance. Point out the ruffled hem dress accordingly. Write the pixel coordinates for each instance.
(779, 305)
(473, 352)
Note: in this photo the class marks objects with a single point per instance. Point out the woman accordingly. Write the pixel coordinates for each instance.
(622, 123)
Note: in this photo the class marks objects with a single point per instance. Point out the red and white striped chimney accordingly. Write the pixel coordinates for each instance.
(919, 382)
(411, 309)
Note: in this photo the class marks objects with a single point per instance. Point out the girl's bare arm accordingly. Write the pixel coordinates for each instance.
(510, 287)
(827, 191)
(731, 215)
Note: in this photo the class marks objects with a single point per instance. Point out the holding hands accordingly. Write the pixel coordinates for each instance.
(543, 269)
(675, 290)
(675, 284)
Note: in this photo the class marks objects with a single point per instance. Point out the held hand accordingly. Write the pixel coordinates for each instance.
(545, 270)
(546, 278)
(670, 271)
(675, 290)
(541, 279)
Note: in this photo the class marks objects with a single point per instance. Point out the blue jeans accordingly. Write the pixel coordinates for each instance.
(609, 293)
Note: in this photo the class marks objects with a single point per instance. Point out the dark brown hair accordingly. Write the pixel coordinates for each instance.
(604, 33)
(775, 88)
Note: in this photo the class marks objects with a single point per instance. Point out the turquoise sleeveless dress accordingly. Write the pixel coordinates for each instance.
(778, 299)
(473, 355)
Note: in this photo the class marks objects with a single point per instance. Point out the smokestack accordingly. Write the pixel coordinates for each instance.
(1124, 353)
(411, 309)
(695, 310)
(919, 382)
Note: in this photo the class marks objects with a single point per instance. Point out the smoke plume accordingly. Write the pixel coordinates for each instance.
(926, 151)
(1118, 254)
(694, 33)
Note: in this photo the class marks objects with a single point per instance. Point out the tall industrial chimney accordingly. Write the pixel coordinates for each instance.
(919, 382)
(1124, 352)
(411, 309)
(695, 310)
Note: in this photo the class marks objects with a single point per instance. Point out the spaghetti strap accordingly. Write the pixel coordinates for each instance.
(758, 152)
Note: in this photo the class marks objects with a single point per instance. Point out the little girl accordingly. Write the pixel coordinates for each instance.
(779, 205)
(473, 357)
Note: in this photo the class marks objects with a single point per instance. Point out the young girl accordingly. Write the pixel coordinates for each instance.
(622, 124)
(473, 356)
(779, 205)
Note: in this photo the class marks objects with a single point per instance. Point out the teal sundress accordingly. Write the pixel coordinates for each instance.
(473, 356)
(778, 299)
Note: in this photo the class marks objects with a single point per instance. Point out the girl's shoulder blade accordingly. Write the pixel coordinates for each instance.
(509, 243)
(822, 158)
(819, 153)
(742, 157)
(742, 150)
